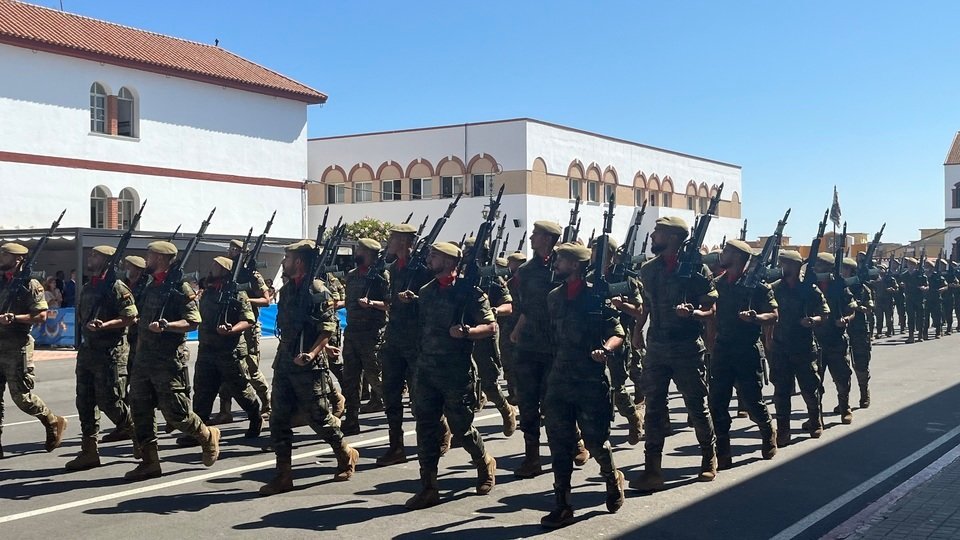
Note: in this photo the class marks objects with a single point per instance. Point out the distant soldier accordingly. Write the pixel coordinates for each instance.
(367, 305)
(900, 300)
(737, 359)
(507, 323)
(305, 322)
(579, 388)
(915, 288)
(885, 293)
(16, 345)
(934, 312)
(451, 319)
(950, 296)
(160, 376)
(832, 335)
(793, 352)
(675, 350)
(859, 332)
(102, 356)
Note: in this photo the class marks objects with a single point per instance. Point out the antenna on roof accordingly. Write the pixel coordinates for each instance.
(61, 5)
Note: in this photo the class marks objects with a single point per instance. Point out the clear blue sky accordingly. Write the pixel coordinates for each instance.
(802, 95)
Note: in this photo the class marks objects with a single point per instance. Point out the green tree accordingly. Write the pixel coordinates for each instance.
(369, 227)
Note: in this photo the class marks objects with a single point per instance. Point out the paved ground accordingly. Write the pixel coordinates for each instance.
(811, 489)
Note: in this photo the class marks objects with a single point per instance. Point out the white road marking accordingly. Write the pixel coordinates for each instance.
(198, 478)
(839, 502)
(34, 421)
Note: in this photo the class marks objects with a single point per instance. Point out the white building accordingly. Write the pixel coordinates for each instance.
(951, 199)
(543, 167)
(98, 117)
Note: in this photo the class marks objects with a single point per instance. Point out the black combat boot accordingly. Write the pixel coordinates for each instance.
(724, 458)
(562, 514)
(396, 453)
(530, 467)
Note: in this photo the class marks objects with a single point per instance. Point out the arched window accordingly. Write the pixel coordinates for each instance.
(126, 113)
(956, 195)
(127, 206)
(98, 108)
(98, 207)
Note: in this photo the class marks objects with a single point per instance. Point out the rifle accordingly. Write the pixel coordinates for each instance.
(473, 266)
(503, 248)
(495, 245)
(570, 233)
(690, 258)
(422, 226)
(758, 269)
(328, 258)
(593, 234)
(743, 231)
(866, 269)
(838, 284)
(523, 240)
(418, 257)
(21, 281)
(173, 236)
(230, 290)
(175, 273)
(109, 276)
(810, 276)
(463, 240)
(625, 257)
(250, 263)
(723, 243)
(601, 289)
(641, 258)
(409, 217)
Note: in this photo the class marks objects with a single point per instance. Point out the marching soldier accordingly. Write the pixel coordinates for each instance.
(102, 357)
(793, 351)
(16, 345)
(859, 332)
(507, 323)
(915, 288)
(949, 297)
(160, 377)
(737, 358)
(675, 350)
(579, 388)
(934, 311)
(305, 316)
(900, 299)
(885, 292)
(451, 319)
(367, 302)
(832, 335)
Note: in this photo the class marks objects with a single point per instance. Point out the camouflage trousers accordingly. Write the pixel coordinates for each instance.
(737, 365)
(619, 374)
(884, 317)
(684, 364)
(901, 305)
(252, 360)
(860, 353)
(163, 382)
(915, 310)
(443, 390)
(101, 385)
(506, 358)
(398, 362)
(572, 402)
(361, 352)
(16, 373)
(219, 370)
(300, 391)
(947, 308)
(532, 370)
(933, 315)
(486, 356)
(833, 357)
(787, 369)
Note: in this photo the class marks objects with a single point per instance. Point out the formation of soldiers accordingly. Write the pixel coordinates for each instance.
(567, 328)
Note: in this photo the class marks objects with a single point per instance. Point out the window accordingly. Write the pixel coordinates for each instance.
(704, 205)
(608, 191)
(450, 186)
(575, 192)
(391, 190)
(363, 192)
(482, 185)
(98, 108)
(667, 200)
(592, 189)
(638, 197)
(126, 207)
(335, 193)
(98, 208)
(422, 188)
(653, 198)
(126, 123)
(691, 203)
(956, 195)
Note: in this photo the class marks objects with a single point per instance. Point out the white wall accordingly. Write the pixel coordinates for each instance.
(44, 104)
(951, 175)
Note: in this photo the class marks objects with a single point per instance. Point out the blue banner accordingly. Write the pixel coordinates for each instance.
(268, 323)
(58, 331)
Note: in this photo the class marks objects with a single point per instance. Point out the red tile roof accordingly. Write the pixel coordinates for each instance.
(35, 27)
(953, 156)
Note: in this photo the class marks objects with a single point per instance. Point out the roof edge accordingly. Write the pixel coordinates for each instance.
(954, 151)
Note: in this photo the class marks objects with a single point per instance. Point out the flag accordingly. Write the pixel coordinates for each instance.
(835, 209)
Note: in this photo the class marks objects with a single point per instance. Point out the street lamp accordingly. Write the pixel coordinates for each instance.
(486, 212)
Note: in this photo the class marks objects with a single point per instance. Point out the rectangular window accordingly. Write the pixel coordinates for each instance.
(125, 117)
(653, 198)
(421, 188)
(482, 185)
(667, 200)
(592, 189)
(98, 213)
(608, 191)
(704, 205)
(125, 213)
(335, 193)
(363, 192)
(575, 192)
(450, 186)
(956, 196)
(98, 113)
(391, 190)
(691, 203)
(638, 197)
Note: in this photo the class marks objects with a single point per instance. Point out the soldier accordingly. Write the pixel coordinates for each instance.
(949, 297)
(16, 345)
(934, 311)
(859, 332)
(832, 335)
(398, 355)
(885, 291)
(222, 355)
(102, 357)
(900, 299)
(629, 307)
(579, 387)
(451, 319)
(915, 288)
(486, 352)
(532, 351)
(507, 323)
(160, 377)
(334, 375)
(305, 322)
(367, 306)
(675, 350)
(738, 355)
(793, 351)
(259, 296)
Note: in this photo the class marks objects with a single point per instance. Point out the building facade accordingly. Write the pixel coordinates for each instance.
(951, 192)
(99, 117)
(543, 167)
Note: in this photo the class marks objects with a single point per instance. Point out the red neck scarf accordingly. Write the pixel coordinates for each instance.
(447, 280)
(574, 288)
(159, 278)
(8, 276)
(364, 269)
(96, 280)
(401, 262)
(297, 280)
(215, 284)
(730, 277)
(670, 262)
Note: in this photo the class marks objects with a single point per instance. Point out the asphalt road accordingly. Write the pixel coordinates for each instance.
(805, 491)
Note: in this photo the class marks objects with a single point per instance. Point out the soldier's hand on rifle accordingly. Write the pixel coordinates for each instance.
(841, 322)
(748, 316)
(6, 319)
(95, 325)
(684, 311)
(365, 303)
(407, 296)
(617, 302)
(158, 327)
(225, 329)
(807, 322)
(601, 355)
(303, 359)
(460, 331)
(332, 352)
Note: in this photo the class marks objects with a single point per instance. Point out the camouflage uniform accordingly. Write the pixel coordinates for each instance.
(949, 300)
(486, 351)
(900, 302)
(834, 343)
(794, 352)
(915, 300)
(361, 341)
(102, 358)
(506, 324)
(934, 312)
(257, 289)
(737, 360)
(885, 292)
(860, 345)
